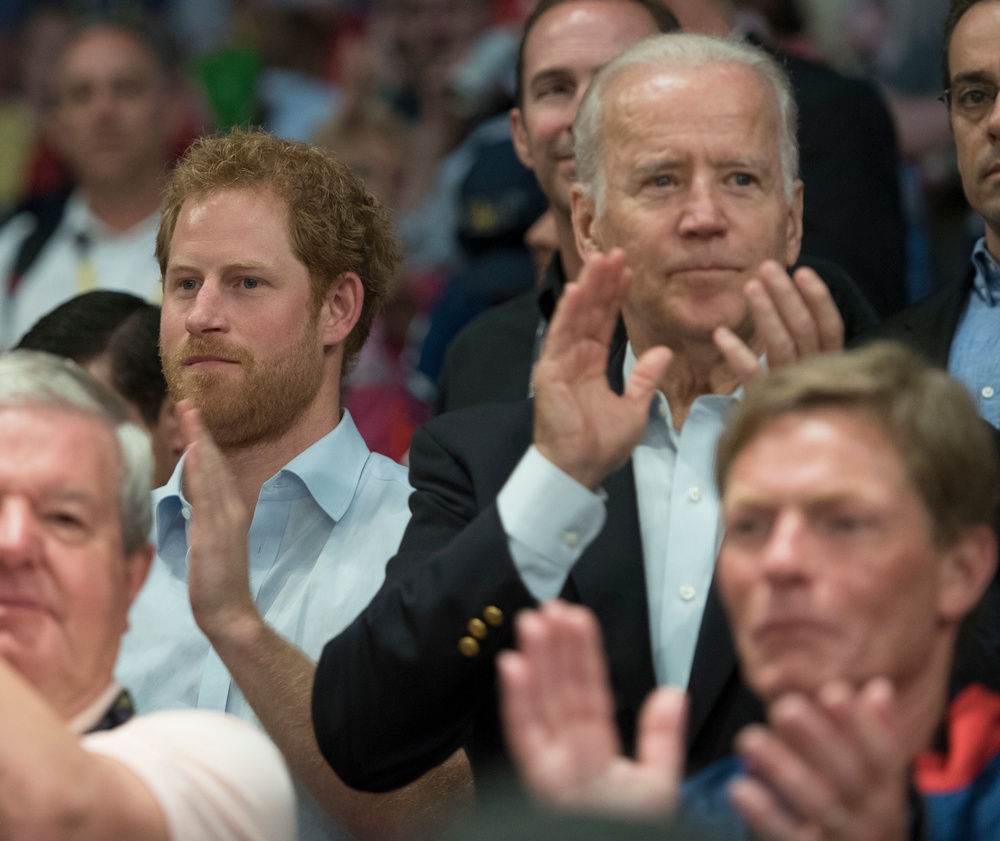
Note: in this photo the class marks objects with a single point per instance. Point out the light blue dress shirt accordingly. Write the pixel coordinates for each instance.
(550, 519)
(975, 349)
(323, 529)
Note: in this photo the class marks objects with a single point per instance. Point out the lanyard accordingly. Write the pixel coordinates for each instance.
(86, 276)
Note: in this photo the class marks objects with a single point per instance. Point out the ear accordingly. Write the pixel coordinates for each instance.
(966, 570)
(341, 308)
(519, 135)
(585, 222)
(137, 566)
(793, 225)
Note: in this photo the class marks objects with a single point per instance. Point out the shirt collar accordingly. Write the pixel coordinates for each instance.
(94, 712)
(328, 471)
(987, 280)
(631, 361)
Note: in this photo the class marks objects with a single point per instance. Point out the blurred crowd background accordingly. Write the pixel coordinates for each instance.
(414, 95)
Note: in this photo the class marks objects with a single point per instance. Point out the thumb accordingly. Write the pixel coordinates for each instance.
(646, 375)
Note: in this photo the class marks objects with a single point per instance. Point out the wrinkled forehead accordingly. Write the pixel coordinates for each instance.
(717, 90)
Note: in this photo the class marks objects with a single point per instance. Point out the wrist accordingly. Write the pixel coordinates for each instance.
(234, 626)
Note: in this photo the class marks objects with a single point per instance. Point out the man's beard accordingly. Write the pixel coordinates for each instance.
(258, 403)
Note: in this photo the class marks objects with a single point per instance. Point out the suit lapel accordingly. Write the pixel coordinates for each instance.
(932, 327)
(610, 579)
(713, 666)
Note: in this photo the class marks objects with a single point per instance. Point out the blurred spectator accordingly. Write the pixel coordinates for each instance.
(113, 119)
(28, 164)
(295, 96)
(499, 201)
(373, 141)
(898, 43)
(115, 337)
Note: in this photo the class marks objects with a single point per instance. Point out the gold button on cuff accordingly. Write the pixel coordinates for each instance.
(468, 646)
(493, 616)
(477, 628)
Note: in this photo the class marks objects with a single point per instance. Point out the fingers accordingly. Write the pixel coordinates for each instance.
(520, 712)
(742, 361)
(801, 791)
(661, 740)
(766, 816)
(830, 766)
(589, 306)
(562, 642)
(556, 704)
(826, 316)
(793, 317)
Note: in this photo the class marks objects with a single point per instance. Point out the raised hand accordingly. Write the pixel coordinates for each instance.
(794, 317)
(581, 425)
(559, 719)
(828, 768)
(218, 574)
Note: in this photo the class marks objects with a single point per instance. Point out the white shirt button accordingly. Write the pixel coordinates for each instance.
(694, 494)
(572, 539)
(661, 407)
(687, 592)
(987, 392)
(186, 512)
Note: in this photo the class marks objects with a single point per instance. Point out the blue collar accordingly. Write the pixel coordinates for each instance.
(987, 279)
(328, 471)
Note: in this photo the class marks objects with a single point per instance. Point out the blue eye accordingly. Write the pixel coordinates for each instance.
(187, 284)
(250, 283)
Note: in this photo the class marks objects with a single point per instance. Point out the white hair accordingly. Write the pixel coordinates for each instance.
(682, 51)
(33, 378)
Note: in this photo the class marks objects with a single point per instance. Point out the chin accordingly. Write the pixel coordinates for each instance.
(795, 675)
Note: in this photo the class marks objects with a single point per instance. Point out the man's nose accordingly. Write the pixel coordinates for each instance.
(785, 550)
(993, 120)
(702, 213)
(207, 310)
(19, 537)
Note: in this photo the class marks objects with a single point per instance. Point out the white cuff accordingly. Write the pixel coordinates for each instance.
(549, 520)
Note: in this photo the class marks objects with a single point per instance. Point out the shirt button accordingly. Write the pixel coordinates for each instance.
(694, 495)
(662, 409)
(687, 593)
(572, 539)
(185, 512)
(987, 392)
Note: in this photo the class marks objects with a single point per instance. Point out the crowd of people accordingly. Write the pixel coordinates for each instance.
(531, 429)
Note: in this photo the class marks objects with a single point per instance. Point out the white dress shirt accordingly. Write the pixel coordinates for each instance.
(550, 519)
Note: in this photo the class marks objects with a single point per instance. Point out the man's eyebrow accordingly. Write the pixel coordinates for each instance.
(745, 162)
(975, 76)
(242, 265)
(550, 74)
(77, 496)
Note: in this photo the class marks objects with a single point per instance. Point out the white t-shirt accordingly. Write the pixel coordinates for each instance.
(81, 254)
(216, 777)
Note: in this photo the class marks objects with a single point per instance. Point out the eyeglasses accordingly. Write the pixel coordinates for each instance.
(972, 100)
